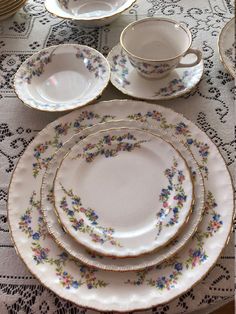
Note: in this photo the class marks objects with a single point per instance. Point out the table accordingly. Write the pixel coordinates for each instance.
(210, 106)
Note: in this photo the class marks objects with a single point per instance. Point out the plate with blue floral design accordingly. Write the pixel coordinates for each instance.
(92, 259)
(227, 45)
(126, 79)
(62, 77)
(123, 192)
(111, 291)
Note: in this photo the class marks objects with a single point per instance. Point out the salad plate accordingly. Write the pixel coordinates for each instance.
(123, 192)
(226, 45)
(126, 79)
(112, 291)
(91, 13)
(42, 80)
(116, 264)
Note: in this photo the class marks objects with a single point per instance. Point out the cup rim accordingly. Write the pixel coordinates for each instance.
(183, 26)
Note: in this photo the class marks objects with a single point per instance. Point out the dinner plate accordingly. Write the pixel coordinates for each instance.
(42, 80)
(112, 291)
(88, 13)
(116, 264)
(226, 45)
(123, 192)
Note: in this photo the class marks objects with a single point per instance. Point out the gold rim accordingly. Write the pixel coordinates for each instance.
(221, 54)
(46, 285)
(155, 19)
(12, 10)
(7, 5)
(88, 20)
(75, 106)
(77, 239)
(104, 267)
(126, 92)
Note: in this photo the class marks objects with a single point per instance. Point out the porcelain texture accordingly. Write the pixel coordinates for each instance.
(42, 80)
(164, 43)
(116, 264)
(89, 14)
(227, 45)
(102, 290)
(125, 78)
(121, 187)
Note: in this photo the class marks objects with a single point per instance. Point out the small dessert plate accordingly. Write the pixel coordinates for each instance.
(123, 192)
(62, 77)
(226, 45)
(88, 13)
(125, 78)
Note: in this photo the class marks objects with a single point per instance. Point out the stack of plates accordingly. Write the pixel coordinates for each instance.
(120, 206)
(10, 7)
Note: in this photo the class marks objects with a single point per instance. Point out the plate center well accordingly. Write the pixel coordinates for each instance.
(123, 190)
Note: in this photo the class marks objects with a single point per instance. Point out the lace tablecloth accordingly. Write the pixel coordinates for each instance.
(210, 106)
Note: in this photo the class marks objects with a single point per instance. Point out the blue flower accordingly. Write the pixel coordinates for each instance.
(190, 141)
(90, 286)
(175, 210)
(160, 284)
(36, 236)
(75, 284)
(178, 266)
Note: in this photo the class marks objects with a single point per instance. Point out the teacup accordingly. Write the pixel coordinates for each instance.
(155, 46)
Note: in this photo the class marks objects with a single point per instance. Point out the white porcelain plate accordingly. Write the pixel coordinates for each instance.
(88, 13)
(62, 77)
(125, 78)
(227, 46)
(116, 264)
(123, 192)
(112, 291)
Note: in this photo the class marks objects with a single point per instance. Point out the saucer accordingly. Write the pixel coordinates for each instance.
(123, 192)
(125, 78)
(91, 13)
(62, 77)
(226, 46)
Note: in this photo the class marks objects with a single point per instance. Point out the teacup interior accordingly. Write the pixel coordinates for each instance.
(153, 39)
(65, 79)
(93, 8)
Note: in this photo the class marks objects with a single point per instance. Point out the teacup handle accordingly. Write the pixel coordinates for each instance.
(188, 65)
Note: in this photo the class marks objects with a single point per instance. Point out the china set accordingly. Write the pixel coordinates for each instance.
(154, 69)
(116, 206)
(10, 7)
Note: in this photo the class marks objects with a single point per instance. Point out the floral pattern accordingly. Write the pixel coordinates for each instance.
(41, 255)
(196, 255)
(175, 179)
(90, 226)
(230, 54)
(35, 66)
(103, 147)
(148, 69)
(177, 84)
(56, 142)
(87, 116)
(179, 129)
(93, 62)
(120, 65)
